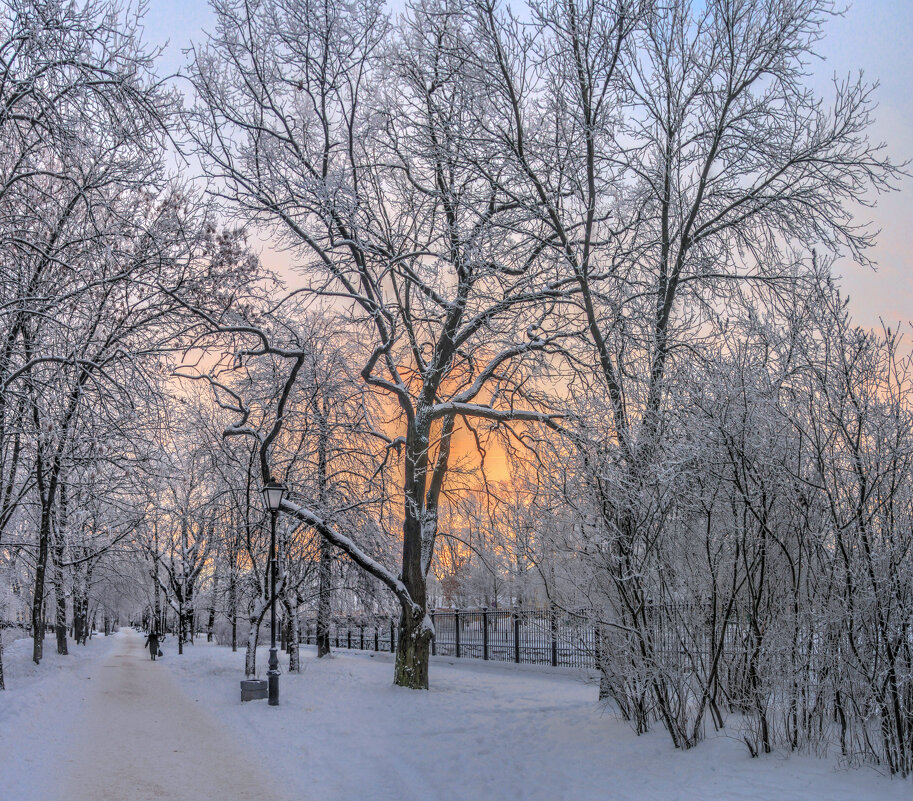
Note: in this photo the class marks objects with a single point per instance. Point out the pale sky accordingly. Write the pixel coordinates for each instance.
(873, 36)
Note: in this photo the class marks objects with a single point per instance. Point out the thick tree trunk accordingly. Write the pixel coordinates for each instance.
(190, 617)
(156, 626)
(79, 609)
(250, 655)
(77, 622)
(419, 524)
(60, 600)
(211, 622)
(324, 609)
(294, 659)
(44, 534)
(157, 605)
(325, 575)
(233, 609)
(60, 595)
(255, 613)
(60, 623)
(413, 651)
(85, 583)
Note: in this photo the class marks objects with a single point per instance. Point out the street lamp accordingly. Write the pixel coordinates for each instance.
(273, 493)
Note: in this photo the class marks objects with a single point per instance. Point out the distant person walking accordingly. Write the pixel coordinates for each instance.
(153, 642)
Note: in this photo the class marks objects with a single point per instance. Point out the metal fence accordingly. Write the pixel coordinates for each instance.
(377, 633)
(523, 636)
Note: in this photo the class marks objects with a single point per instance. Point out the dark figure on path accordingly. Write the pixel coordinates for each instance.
(153, 642)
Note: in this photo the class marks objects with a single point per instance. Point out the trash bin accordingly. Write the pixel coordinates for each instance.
(253, 689)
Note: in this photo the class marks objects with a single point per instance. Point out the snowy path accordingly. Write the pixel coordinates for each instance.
(142, 738)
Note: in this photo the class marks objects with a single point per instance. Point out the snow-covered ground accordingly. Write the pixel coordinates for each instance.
(343, 732)
(39, 712)
(488, 733)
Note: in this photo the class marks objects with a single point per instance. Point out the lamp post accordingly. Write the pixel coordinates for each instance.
(273, 493)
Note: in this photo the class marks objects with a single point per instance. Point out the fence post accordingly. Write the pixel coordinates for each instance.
(456, 623)
(516, 616)
(434, 636)
(484, 632)
(392, 636)
(553, 621)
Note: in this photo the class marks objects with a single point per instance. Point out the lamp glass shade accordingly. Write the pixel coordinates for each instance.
(272, 495)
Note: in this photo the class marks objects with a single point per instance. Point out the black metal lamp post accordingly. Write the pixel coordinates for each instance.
(273, 493)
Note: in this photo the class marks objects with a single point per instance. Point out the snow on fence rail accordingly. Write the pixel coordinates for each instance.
(532, 636)
(527, 636)
(25, 628)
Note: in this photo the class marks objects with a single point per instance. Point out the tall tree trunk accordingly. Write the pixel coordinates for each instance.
(60, 595)
(324, 608)
(81, 603)
(325, 574)
(190, 615)
(156, 588)
(74, 604)
(415, 630)
(294, 659)
(419, 532)
(77, 630)
(44, 535)
(413, 650)
(182, 628)
(255, 613)
(60, 620)
(211, 622)
(233, 610)
(83, 624)
(250, 654)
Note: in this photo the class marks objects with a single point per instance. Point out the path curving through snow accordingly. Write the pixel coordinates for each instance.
(142, 738)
